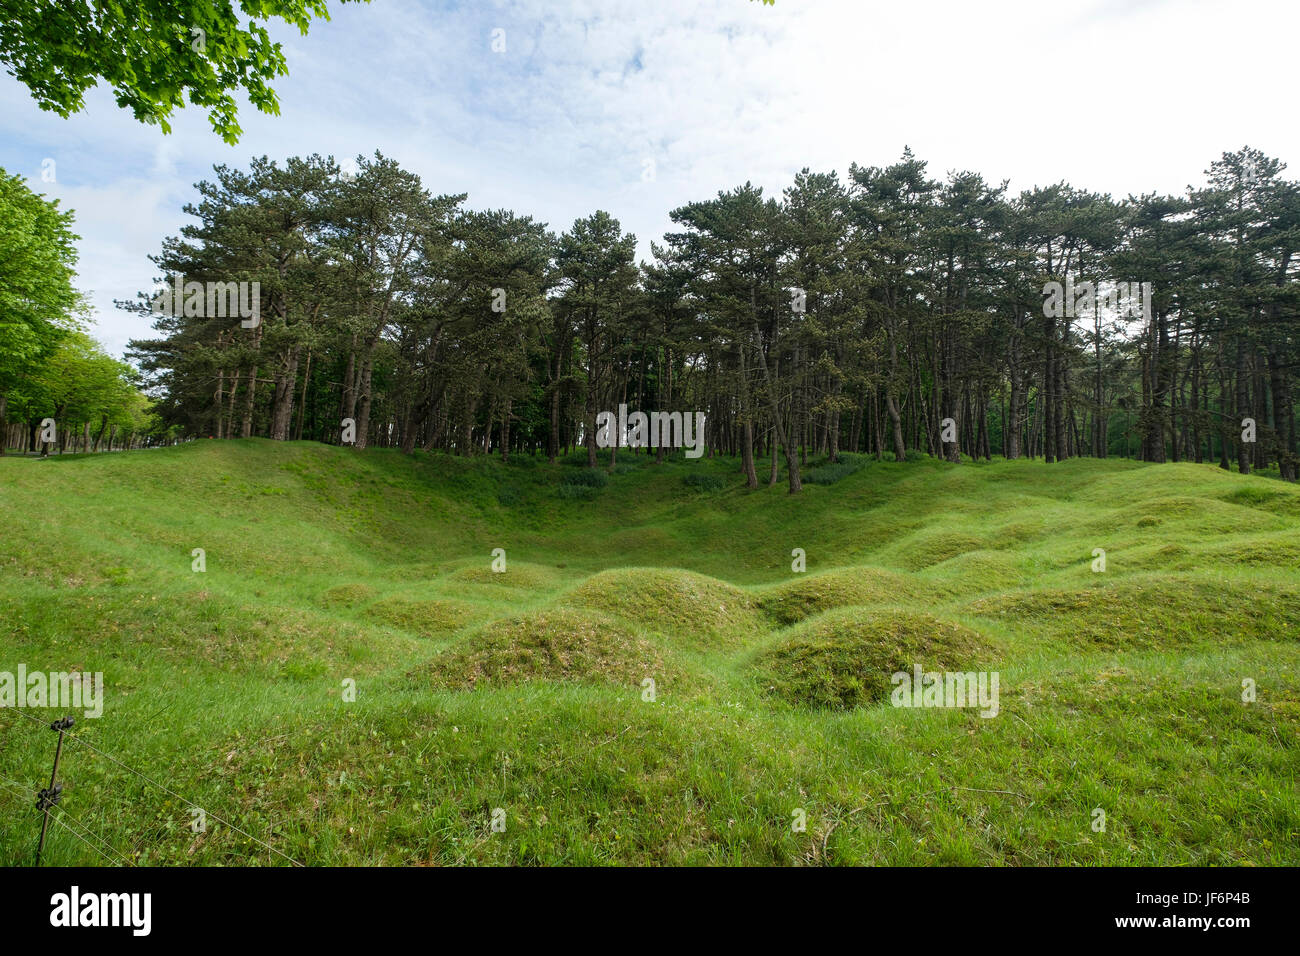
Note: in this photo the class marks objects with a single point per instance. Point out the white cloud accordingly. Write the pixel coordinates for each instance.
(1114, 97)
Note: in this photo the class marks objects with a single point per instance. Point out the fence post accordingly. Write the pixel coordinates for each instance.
(48, 798)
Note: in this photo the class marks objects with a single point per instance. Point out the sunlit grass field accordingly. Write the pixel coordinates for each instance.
(527, 692)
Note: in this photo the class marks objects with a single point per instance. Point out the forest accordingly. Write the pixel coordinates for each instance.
(857, 314)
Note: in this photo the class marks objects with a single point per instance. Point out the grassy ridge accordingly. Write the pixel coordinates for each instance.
(524, 690)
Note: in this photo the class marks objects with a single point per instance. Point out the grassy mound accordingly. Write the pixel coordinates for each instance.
(1260, 550)
(804, 597)
(1021, 530)
(227, 683)
(1246, 551)
(517, 574)
(1271, 496)
(934, 547)
(348, 596)
(1153, 611)
(845, 658)
(1186, 513)
(673, 602)
(977, 571)
(1163, 557)
(426, 618)
(562, 645)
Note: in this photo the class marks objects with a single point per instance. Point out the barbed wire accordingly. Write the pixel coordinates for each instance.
(165, 789)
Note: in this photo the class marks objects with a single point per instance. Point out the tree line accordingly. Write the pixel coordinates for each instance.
(59, 389)
(889, 312)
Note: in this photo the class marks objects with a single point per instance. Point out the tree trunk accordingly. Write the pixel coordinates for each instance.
(286, 382)
(791, 457)
(1244, 451)
(364, 396)
(246, 426)
(505, 431)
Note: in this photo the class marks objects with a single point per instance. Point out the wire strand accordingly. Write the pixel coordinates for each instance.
(148, 779)
(59, 821)
(64, 814)
(19, 788)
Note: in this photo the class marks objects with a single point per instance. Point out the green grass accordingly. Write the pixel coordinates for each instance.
(528, 690)
(844, 658)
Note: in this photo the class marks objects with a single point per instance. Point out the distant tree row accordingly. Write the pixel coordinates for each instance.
(58, 389)
(889, 313)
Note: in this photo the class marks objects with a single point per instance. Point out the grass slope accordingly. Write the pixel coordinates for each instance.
(528, 690)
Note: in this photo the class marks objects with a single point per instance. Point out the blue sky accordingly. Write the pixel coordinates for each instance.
(637, 106)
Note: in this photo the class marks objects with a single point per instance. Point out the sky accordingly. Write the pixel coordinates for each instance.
(639, 106)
